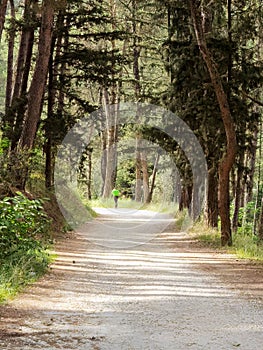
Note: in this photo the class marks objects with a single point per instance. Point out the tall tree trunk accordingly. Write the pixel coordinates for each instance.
(10, 59)
(142, 175)
(145, 175)
(228, 158)
(54, 98)
(211, 215)
(155, 168)
(111, 146)
(3, 7)
(49, 173)
(37, 87)
(110, 100)
(238, 190)
(260, 226)
(89, 175)
(52, 79)
(103, 163)
(251, 165)
(138, 167)
(185, 197)
(14, 96)
(21, 106)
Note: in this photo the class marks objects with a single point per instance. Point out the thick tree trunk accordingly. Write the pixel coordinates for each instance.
(185, 197)
(37, 88)
(228, 158)
(211, 216)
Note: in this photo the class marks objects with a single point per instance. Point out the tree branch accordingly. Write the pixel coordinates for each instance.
(252, 98)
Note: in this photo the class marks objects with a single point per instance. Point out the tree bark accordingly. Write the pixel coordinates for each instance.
(211, 215)
(111, 146)
(145, 176)
(3, 7)
(52, 79)
(10, 59)
(14, 102)
(155, 168)
(37, 87)
(228, 158)
(138, 167)
(260, 227)
(238, 190)
(21, 106)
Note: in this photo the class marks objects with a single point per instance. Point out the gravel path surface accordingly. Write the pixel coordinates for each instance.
(119, 285)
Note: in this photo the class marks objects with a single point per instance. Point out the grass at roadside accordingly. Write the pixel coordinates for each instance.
(19, 270)
(245, 246)
(24, 239)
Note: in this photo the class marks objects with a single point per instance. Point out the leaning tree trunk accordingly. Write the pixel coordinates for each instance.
(13, 93)
(21, 108)
(228, 158)
(37, 88)
(155, 169)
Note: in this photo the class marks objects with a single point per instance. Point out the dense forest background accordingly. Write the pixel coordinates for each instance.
(63, 60)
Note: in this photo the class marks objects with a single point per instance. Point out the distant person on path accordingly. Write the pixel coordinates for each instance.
(116, 194)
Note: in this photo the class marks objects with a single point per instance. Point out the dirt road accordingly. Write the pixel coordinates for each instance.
(120, 284)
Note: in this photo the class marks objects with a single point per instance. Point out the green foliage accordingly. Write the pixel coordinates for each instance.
(24, 238)
(246, 217)
(244, 246)
(23, 226)
(19, 270)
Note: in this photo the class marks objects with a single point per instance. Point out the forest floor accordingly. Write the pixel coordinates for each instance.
(128, 281)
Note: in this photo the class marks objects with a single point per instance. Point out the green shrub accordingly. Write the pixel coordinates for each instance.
(18, 270)
(24, 239)
(23, 225)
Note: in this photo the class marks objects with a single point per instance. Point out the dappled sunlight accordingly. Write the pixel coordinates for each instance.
(151, 288)
(157, 288)
(149, 274)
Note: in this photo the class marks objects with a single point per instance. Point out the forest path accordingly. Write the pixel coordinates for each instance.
(108, 291)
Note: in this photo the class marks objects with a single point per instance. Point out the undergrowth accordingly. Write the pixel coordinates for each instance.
(20, 270)
(245, 246)
(24, 242)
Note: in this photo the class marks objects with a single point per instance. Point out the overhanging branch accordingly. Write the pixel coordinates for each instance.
(252, 98)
